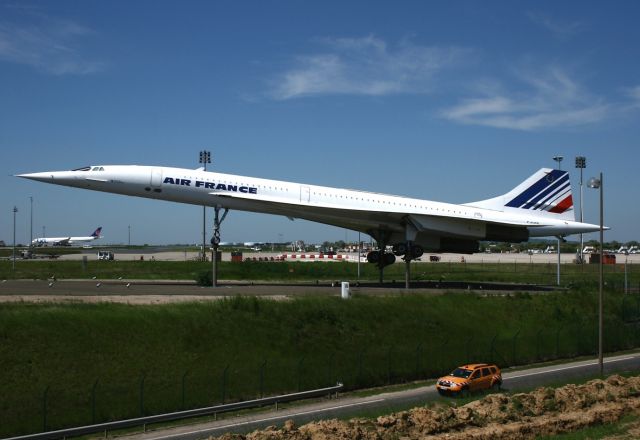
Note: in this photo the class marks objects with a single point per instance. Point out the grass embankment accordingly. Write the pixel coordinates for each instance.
(571, 274)
(103, 362)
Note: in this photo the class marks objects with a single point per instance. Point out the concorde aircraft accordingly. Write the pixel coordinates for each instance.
(540, 206)
(66, 241)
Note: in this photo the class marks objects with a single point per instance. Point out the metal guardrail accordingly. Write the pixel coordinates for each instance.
(143, 421)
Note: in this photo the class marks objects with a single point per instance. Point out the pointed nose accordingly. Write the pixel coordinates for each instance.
(69, 178)
(40, 177)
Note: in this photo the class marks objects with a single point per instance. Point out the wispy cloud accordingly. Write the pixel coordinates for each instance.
(559, 28)
(47, 44)
(634, 94)
(365, 66)
(545, 99)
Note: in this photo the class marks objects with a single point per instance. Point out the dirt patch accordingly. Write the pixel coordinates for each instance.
(120, 299)
(545, 411)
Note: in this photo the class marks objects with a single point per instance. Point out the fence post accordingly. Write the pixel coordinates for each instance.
(262, 368)
(93, 402)
(467, 344)
(44, 409)
(224, 382)
(300, 371)
(513, 359)
(184, 378)
(538, 344)
(558, 342)
(418, 352)
(442, 350)
(389, 366)
(142, 377)
(492, 349)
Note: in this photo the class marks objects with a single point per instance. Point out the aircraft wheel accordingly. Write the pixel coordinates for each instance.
(389, 259)
(373, 257)
(416, 251)
(400, 249)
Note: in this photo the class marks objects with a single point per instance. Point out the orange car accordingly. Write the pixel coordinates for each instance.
(468, 378)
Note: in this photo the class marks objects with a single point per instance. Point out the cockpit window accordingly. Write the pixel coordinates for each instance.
(97, 168)
(82, 169)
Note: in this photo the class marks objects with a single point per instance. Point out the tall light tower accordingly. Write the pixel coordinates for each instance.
(15, 210)
(598, 184)
(559, 160)
(31, 227)
(205, 158)
(581, 163)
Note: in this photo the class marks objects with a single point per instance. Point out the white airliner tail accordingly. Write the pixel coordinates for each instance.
(547, 193)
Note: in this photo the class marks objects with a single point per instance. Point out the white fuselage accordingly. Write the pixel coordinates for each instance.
(352, 209)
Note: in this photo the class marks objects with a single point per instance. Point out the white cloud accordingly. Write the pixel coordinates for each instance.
(365, 66)
(47, 44)
(560, 29)
(634, 94)
(546, 99)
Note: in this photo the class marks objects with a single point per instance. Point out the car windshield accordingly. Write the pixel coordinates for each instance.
(461, 372)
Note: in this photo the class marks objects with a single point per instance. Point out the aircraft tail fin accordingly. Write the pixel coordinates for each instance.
(97, 232)
(546, 193)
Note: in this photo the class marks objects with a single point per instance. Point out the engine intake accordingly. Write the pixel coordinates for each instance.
(507, 234)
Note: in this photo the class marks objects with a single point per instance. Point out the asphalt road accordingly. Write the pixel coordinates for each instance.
(167, 291)
(345, 407)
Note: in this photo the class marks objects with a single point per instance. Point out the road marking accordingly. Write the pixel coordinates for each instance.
(284, 416)
(571, 367)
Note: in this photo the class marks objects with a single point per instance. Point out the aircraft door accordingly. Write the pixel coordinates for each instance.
(305, 194)
(156, 177)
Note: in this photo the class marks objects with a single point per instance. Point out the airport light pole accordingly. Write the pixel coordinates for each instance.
(597, 183)
(581, 163)
(31, 226)
(559, 160)
(129, 235)
(15, 210)
(205, 158)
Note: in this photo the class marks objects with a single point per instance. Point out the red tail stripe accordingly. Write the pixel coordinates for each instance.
(563, 205)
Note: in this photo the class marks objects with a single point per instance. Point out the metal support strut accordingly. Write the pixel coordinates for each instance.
(215, 241)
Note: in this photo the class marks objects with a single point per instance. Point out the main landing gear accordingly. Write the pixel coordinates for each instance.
(407, 250)
(215, 241)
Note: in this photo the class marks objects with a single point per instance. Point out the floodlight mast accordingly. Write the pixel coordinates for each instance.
(581, 163)
(15, 210)
(205, 158)
(559, 160)
(597, 183)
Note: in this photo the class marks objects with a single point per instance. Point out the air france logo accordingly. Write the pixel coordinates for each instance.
(211, 185)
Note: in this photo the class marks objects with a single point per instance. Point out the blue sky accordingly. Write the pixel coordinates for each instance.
(450, 101)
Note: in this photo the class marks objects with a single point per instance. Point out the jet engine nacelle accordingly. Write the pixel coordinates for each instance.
(508, 234)
(458, 246)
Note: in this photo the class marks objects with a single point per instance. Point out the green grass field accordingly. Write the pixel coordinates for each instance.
(98, 362)
(572, 274)
(70, 365)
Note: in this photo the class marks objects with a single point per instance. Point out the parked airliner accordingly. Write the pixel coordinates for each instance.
(540, 206)
(66, 241)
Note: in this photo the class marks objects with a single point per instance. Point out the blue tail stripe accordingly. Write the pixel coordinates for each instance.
(553, 188)
(534, 189)
(554, 195)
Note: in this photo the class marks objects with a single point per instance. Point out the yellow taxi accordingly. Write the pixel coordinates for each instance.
(468, 378)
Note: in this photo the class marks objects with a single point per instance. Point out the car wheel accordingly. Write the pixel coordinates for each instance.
(464, 393)
(495, 387)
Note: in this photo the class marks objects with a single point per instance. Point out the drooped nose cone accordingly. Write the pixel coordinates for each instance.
(58, 177)
(42, 177)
